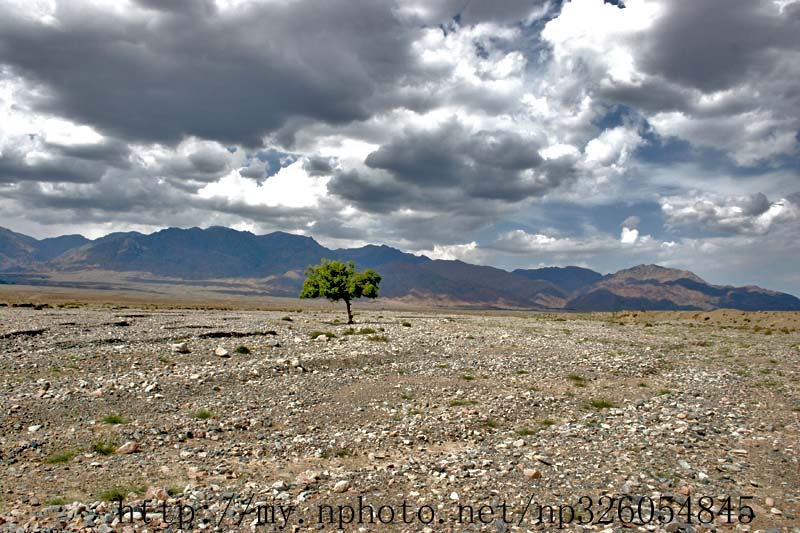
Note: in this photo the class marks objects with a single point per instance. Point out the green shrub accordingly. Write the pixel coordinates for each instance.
(203, 414)
(122, 491)
(577, 380)
(601, 404)
(314, 334)
(461, 403)
(61, 457)
(104, 447)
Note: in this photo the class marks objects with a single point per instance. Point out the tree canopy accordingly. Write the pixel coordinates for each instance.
(336, 281)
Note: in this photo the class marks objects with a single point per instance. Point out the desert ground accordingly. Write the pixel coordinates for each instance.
(259, 417)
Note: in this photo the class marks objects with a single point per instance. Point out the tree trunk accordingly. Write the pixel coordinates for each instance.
(349, 313)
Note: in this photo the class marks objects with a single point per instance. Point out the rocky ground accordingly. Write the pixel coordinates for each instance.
(467, 421)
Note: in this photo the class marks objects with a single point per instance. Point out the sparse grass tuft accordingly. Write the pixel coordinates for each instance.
(378, 338)
(314, 334)
(243, 350)
(104, 447)
(61, 457)
(601, 404)
(115, 493)
(203, 414)
(467, 377)
(57, 501)
(547, 422)
(526, 432)
(362, 331)
(462, 403)
(329, 453)
(114, 419)
(577, 380)
(492, 423)
(406, 396)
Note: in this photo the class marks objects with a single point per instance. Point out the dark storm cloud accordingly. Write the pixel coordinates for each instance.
(110, 152)
(255, 170)
(451, 156)
(230, 76)
(475, 11)
(650, 96)
(451, 167)
(194, 165)
(717, 44)
(371, 192)
(208, 162)
(181, 7)
(318, 166)
(110, 195)
(81, 164)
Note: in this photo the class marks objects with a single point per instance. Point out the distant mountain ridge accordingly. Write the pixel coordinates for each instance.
(277, 261)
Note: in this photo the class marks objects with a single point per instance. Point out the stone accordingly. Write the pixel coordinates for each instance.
(532, 473)
(128, 447)
(341, 486)
(156, 493)
(221, 352)
(308, 477)
(180, 347)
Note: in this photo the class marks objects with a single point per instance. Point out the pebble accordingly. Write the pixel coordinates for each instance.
(452, 409)
(180, 347)
(221, 352)
(128, 447)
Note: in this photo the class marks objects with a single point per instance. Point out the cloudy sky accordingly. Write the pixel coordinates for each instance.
(514, 133)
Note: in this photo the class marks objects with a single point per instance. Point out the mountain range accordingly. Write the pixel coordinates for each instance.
(276, 262)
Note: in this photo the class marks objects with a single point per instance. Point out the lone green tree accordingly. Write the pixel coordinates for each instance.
(336, 281)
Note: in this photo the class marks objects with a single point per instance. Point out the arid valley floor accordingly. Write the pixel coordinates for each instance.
(235, 412)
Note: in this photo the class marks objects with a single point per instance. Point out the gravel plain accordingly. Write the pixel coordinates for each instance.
(471, 420)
